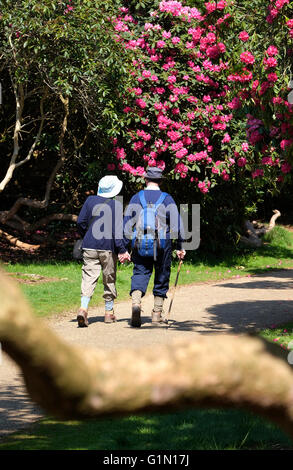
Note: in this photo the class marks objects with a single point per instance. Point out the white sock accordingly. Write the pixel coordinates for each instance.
(85, 302)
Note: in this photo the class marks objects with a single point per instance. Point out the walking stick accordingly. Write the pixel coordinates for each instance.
(166, 320)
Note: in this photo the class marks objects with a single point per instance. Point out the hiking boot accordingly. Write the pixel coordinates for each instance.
(109, 316)
(82, 319)
(135, 317)
(157, 317)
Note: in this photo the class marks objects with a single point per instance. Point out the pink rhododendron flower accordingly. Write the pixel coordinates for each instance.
(173, 135)
(247, 58)
(120, 152)
(206, 98)
(148, 26)
(272, 77)
(161, 164)
(286, 143)
(226, 138)
(241, 162)
(235, 103)
(146, 73)
(140, 170)
(141, 103)
(181, 168)
(181, 153)
(210, 6)
(272, 50)
(257, 173)
(138, 145)
(225, 175)
(137, 91)
(161, 44)
(203, 187)
(243, 36)
(171, 79)
(221, 4)
(177, 145)
(270, 62)
(286, 167)
(176, 40)
(154, 58)
(166, 34)
(158, 106)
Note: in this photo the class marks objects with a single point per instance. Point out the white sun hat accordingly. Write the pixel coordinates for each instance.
(109, 186)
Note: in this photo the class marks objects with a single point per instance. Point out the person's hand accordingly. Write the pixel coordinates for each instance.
(180, 254)
(124, 257)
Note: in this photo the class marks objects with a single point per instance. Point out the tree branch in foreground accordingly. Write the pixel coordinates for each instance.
(211, 371)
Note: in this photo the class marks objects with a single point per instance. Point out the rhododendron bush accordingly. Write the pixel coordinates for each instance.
(199, 89)
(208, 101)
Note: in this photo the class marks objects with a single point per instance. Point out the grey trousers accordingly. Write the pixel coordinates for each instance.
(95, 261)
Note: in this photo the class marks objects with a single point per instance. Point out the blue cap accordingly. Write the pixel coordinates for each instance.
(154, 173)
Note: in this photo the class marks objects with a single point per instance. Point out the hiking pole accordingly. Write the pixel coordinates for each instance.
(166, 320)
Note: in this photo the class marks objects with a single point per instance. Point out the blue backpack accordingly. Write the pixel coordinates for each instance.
(149, 234)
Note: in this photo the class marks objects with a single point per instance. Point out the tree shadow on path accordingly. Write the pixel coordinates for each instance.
(282, 280)
(239, 317)
(16, 408)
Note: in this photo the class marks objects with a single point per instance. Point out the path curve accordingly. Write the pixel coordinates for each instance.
(231, 306)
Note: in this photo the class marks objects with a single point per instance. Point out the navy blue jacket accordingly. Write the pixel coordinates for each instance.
(174, 224)
(102, 226)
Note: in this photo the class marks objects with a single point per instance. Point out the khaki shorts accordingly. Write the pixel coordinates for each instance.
(95, 261)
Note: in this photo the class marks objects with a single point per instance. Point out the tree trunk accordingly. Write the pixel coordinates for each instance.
(10, 217)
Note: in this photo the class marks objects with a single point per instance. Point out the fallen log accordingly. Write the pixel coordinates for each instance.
(254, 230)
(18, 243)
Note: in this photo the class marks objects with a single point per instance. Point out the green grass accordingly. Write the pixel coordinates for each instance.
(55, 297)
(188, 430)
(280, 334)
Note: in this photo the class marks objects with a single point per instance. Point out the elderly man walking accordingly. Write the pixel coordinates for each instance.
(151, 221)
(100, 225)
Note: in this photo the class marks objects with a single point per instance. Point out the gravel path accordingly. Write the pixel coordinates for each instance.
(232, 306)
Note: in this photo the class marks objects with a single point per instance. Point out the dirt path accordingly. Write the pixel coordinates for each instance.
(231, 306)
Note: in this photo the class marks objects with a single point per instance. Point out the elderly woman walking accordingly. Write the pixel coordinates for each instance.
(100, 223)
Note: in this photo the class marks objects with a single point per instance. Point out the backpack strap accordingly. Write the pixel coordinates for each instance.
(144, 206)
(160, 200)
(156, 204)
(142, 199)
